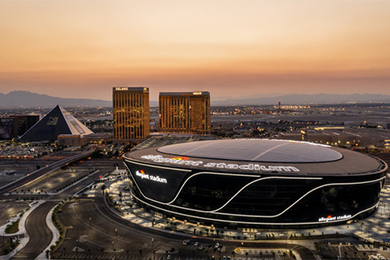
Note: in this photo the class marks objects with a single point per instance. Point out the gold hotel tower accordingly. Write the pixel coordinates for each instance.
(184, 112)
(131, 113)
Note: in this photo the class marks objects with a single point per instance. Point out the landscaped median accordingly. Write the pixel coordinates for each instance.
(56, 227)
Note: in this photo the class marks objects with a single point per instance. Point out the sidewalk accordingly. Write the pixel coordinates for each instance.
(22, 230)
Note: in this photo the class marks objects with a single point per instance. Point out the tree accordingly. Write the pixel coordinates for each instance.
(103, 188)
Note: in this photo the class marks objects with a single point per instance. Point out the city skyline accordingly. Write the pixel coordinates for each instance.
(231, 49)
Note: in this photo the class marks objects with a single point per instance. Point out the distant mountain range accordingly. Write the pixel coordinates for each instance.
(16, 99)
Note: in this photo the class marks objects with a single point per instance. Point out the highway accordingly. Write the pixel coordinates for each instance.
(38, 173)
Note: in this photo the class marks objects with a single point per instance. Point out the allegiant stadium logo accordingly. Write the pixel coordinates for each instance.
(334, 218)
(143, 175)
(249, 167)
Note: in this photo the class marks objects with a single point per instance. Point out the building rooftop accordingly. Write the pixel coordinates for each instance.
(259, 156)
(255, 150)
(184, 93)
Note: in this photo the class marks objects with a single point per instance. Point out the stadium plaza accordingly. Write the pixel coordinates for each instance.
(370, 230)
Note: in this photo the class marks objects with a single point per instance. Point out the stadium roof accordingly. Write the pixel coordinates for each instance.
(260, 155)
(256, 151)
(57, 122)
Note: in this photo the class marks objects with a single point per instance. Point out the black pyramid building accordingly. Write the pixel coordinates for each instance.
(57, 122)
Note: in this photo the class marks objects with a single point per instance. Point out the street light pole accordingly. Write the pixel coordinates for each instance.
(152, 247)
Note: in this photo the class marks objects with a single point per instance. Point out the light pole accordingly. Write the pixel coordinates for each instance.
(77, 248)
(152, 248)
(116, 233)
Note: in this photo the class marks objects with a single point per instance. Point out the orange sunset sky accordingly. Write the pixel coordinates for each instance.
(234, 49)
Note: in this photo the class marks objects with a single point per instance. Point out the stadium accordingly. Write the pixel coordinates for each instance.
(256, 182)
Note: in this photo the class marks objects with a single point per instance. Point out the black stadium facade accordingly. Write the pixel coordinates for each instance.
(254, 182)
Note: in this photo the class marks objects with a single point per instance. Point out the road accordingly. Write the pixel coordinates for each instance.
(39, 233)
(97, 232)
(36, 174)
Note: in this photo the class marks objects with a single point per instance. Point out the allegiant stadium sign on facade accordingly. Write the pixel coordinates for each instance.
(249, 167)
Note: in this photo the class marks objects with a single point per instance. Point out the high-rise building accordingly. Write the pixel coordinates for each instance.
(15, 126)
(184, 112)
(23, 122)
(131, 113)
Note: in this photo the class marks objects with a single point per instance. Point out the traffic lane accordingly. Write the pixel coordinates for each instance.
(42, 172)
(96, 229)
(98, 234)
(72, 190)
(230, 246)
(56, 180)
(88, 215)
(39, 233)
(179, 237)
(51, 182)
(24, 180)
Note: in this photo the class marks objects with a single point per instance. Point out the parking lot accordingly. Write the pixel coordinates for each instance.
(350, 251)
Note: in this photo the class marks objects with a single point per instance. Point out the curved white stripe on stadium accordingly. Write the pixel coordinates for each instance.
(248, 222)
(256, 150)
(168, 203)
(210, 173)
(319, 187)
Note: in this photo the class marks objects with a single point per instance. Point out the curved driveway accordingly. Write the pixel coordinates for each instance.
(108, 235)
(39, 233)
